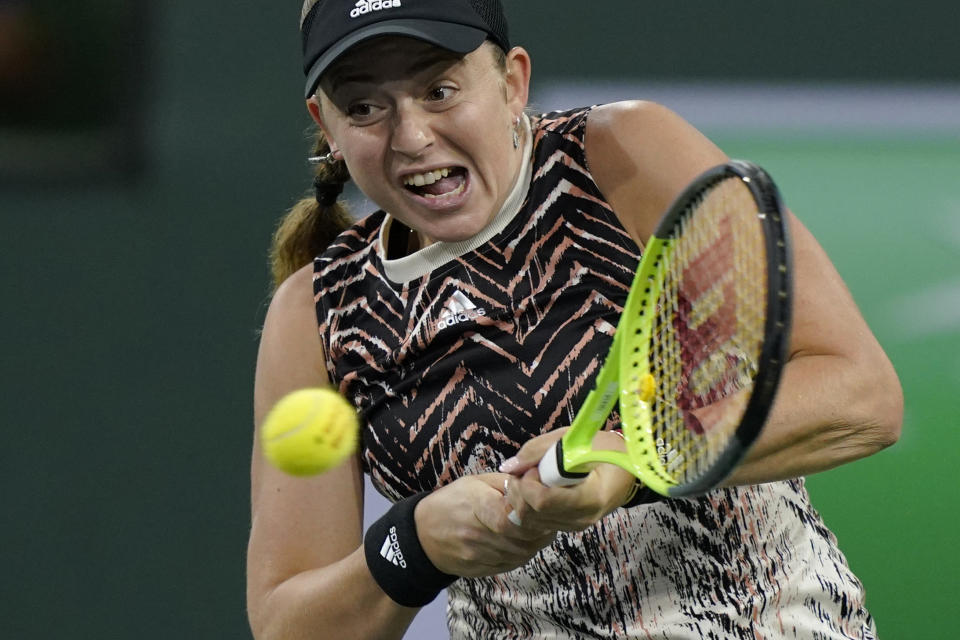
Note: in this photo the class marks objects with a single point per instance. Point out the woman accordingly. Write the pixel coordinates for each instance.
(461, 319)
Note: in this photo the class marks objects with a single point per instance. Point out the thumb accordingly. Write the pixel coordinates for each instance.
(530, 453)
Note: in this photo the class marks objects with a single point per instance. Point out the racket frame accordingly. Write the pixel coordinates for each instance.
(573, 456)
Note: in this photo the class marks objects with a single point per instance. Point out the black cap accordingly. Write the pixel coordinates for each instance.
(333, 26)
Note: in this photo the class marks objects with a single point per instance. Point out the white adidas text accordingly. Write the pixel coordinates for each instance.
(458, 309)
(366, 6)
(454, 318)
(391, 549)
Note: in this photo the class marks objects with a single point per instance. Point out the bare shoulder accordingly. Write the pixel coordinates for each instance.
(294, 294)
(290, 354)
(641, 155)
(631, 113)
(651, 129)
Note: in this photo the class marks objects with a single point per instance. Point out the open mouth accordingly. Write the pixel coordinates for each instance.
(438, 183)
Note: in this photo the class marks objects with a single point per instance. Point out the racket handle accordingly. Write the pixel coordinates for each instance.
(552, 473)
(551, 468)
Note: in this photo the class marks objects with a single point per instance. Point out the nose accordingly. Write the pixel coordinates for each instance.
(412, 133)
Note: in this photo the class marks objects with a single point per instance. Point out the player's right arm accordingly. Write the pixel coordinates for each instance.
(306, 572)
(307, 575)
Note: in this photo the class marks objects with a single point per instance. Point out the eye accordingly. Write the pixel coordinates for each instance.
(441, 93)
(360, 110)
(361, 113)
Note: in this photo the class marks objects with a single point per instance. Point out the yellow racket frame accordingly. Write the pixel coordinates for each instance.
(628, 380)
(625, 376)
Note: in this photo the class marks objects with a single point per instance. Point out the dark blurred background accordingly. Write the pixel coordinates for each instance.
(148, 149)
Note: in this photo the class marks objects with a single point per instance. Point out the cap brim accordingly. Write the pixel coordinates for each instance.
(453, 37)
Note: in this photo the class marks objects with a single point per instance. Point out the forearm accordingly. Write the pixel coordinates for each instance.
(829, 411)
(339, 600)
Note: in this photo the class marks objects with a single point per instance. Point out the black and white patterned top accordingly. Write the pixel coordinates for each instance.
(458, 354)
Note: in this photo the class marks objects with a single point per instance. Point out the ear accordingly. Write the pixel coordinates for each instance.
(313, 107)
(316, 113)
(517, 79)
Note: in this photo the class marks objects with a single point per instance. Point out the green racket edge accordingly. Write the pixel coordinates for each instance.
(637, 415)
(574, 454)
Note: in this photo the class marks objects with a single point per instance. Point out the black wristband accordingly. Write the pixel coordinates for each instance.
(397, 561)
(642, 494)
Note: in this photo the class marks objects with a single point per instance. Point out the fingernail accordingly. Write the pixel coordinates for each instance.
(514, 518)
(508, 465)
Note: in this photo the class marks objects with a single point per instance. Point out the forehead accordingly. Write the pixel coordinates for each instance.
(388, 58)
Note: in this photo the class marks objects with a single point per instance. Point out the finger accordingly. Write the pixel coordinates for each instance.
(523, 527)
(492, 510)
(531, 492)
(517, 510)
(481, 550)
(531, 452)
(496, 509)
(493, 480)
(496, 515)
(570, 508)
(501, 517)
(514, 516)
(518, 507)
(532, 506)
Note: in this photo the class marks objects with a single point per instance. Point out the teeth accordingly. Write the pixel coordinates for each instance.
(421, 179)
(455, 192)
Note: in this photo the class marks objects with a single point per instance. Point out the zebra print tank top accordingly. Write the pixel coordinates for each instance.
(456, 365)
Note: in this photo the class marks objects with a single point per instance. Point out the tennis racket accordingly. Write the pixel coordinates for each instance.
(700, 345)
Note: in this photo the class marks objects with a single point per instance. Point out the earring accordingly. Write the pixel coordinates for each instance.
(329, 158)
(516, 133)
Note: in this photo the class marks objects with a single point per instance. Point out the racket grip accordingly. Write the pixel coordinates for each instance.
(551, 468)
(552, 473)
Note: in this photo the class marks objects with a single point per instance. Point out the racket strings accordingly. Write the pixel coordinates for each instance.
(708, 329)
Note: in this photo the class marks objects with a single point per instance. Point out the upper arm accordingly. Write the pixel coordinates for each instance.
(641, 156)
(827, 322)
(297, 523)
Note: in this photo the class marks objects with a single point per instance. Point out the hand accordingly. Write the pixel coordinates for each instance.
(464, 530)
(572, 508)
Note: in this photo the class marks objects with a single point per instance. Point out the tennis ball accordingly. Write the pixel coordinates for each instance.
(310, 431)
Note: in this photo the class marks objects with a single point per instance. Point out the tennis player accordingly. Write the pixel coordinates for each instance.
(466, 318)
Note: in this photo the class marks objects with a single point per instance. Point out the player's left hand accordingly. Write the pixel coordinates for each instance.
(573, 508)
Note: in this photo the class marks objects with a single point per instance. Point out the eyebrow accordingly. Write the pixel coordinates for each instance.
(424, 62)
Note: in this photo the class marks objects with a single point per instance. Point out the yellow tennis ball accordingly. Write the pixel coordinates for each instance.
(310, 431)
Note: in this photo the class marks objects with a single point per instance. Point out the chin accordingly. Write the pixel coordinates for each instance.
(457, 231)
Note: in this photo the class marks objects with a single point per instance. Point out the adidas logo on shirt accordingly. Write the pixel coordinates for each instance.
(391, 549)
(458, 308)
(366, 6)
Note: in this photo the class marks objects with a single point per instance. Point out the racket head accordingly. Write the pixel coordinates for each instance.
(706, 331)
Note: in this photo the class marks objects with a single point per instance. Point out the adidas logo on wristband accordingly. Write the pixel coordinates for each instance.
(390, 550)
(407, 576)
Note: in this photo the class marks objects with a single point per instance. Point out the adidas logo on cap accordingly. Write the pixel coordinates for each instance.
(366, 6)
(391, 549)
